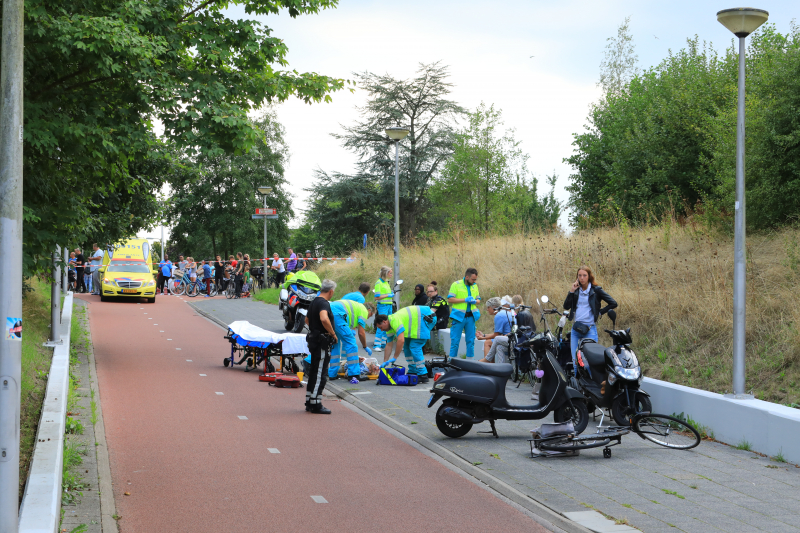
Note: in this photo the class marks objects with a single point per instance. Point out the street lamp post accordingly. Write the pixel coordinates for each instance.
(397, 134)
(264, 191)
(742, 21)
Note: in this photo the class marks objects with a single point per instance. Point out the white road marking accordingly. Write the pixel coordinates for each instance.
(162, 331)
(177, 348)
(149, 319)
(273, 450)
(363, 392)
(188, 360)
(220, 393)
(169, 339)
(203, 375)
(319, 499)
(242, 417)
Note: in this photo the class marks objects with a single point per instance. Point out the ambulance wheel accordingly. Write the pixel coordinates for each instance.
(103, 298)
(226, 362)
(151, 300)
(451, 429)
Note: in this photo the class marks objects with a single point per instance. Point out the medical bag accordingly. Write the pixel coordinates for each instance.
(287, 382)
(388, 376)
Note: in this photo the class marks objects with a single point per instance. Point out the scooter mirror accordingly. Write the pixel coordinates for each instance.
(613, 316)
(399, 282)
(545, 299)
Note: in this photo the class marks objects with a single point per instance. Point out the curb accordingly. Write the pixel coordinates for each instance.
(41, 503)
(544, 515)
(108, 507)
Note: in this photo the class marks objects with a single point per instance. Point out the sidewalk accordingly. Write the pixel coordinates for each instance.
(711, 488)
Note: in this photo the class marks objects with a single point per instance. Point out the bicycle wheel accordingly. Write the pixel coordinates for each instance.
(213, 288)
(230, 290)
(666, 431)
(177, 288)
(192, 289)
(576, 443)
(512, 359)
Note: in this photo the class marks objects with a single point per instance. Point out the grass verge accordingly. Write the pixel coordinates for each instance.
(268, 296)
(35, 368)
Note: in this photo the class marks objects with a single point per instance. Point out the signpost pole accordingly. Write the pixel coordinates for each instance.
(265, 233)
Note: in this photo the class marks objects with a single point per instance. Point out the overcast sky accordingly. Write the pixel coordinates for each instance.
(488, 47)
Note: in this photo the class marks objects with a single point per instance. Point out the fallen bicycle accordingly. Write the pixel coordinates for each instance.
(559, 440)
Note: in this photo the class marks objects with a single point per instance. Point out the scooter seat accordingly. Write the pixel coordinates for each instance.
(594, 353)
(501, 370)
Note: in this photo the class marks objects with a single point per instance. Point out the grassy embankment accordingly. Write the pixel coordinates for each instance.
(35, 367)
(674, 285)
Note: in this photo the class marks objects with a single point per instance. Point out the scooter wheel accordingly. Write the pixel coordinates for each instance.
(451, 429)
(623, 414)
(577, 413)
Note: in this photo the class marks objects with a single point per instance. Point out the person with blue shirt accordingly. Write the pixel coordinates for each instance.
(503, 320)
(359, 295)
(356, 315)
(345, 341)
(207, 275)
(166, 273)
(383, 299)
(463, 298)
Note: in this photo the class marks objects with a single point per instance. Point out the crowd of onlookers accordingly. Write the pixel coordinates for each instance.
(83, 275)
(238, 269)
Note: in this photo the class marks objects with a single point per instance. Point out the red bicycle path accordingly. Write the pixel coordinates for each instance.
(183, 460)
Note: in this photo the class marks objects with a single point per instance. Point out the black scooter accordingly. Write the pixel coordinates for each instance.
(611, 377)
(476, 392)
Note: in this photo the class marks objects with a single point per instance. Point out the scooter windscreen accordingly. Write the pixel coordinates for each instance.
(626, 357)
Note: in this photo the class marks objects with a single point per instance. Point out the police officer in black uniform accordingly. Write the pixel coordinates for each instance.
(320, 338)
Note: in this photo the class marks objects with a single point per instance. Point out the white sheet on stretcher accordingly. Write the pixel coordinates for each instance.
(292, 342)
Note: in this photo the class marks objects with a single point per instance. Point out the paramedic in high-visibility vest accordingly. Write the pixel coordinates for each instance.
(463, 299)
(383, 300)
(410, 327)
(349, 319)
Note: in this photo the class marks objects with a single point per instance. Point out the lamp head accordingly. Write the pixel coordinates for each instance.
(742, 21)
(264, 189)
(397, 134)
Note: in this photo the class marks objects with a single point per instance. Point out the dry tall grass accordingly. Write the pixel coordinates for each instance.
(674, 284)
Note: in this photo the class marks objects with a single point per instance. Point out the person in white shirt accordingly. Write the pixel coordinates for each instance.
(280, 270)
(96, 259)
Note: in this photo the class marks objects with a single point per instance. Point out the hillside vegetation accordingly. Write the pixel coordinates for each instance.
(674, 285)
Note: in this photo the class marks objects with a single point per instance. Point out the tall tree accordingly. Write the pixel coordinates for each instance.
(421, 104)
(619, 65)
(98, 73)
(486, 185)
(212, 202)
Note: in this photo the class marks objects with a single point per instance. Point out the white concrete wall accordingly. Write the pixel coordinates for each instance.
(770, 428)
(444, 340)
(40, 511)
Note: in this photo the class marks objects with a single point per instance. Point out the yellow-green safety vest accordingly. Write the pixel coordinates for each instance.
(461, 290)
(383, 288)
(357, 313)
(409, 321)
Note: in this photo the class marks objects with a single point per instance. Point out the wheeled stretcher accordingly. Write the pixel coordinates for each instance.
(253, 345)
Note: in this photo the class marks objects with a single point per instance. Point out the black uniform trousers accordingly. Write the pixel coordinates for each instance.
(318, 373)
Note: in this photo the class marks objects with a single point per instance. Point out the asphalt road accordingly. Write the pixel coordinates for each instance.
(198, 447)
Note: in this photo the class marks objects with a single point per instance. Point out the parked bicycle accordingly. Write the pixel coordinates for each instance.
(196, 287)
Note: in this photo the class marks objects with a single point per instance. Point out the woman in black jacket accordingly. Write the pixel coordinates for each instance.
(583, 302)
(420, 298)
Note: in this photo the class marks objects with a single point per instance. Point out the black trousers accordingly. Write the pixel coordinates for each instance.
(317, 374)
(81, 284)
(239, 280)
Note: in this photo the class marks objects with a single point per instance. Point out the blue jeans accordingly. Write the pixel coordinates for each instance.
(412, 348)
(380, 335)
(575, 339)
(468, 327)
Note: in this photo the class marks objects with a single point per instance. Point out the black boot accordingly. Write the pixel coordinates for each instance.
(308, 405)
(318, 409)
(423, 379)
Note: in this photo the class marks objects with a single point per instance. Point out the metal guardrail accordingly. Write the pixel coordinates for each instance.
(40, 511)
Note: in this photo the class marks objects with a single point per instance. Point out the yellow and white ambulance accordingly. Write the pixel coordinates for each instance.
(129, 270)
